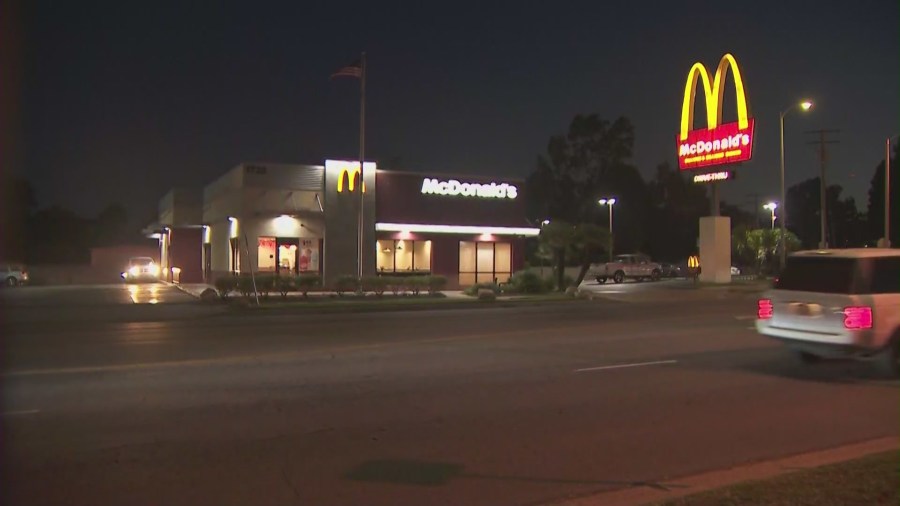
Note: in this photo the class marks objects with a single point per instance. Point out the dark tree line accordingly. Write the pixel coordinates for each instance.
(660, 216)
(55, 235)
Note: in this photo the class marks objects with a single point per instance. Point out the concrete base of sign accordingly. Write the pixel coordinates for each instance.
(715, 249)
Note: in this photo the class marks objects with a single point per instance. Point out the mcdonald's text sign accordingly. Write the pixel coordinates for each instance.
(718, 143)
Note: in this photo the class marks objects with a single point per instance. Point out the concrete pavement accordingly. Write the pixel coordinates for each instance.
(487, 406)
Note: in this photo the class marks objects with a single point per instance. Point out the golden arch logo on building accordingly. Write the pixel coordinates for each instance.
(718, 143)
(348, 174)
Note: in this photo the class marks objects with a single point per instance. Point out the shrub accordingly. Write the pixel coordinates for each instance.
(486, 295)
(306, 282)
(527, 281)
(245, 284)
(436, 284)
(346, 283)
(473, 289)
(284, 284)
(415, 284)
(225, 285)
(396, 285)
(375, 284)
(265, 283)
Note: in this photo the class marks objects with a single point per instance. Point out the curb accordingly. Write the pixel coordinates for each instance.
(680, 487)
(182, 289)
(375, 307)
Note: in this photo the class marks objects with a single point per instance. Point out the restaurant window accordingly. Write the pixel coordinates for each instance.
(484, 262)
(403, 256)
(266, 254)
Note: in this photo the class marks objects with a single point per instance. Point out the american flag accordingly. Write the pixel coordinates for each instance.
(352, 70)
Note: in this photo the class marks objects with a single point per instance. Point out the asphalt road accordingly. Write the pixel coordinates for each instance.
(486, 406)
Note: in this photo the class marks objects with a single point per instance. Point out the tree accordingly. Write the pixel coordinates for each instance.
(558, 236)
(17, 203)
(804, 210)
(676, 207)
(759, 247)
(111, 226)
(590, 161)
(875, 210)
(589, 240)
(57, 235)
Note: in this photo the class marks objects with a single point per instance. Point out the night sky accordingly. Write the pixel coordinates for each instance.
(123, 100)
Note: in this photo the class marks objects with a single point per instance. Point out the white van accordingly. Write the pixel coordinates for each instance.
(837, 304)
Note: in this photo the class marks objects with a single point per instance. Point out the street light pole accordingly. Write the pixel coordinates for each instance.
(887, 192)
(782, 247)
(609, 202)
(805, 105)
(771, 206)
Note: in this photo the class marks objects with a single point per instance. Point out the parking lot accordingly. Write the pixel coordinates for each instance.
(92, 295)
(111, 302)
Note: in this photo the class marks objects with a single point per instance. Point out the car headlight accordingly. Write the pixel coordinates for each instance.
(134, 270)
(154, 269)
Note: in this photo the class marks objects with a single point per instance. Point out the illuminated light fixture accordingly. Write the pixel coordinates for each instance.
(771, 206)
(806, 105)
(607, 202)
(232, 219)
(545, 222)
(456, 229)
(156, 235)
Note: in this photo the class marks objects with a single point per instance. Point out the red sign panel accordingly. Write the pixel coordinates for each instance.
(707, 147)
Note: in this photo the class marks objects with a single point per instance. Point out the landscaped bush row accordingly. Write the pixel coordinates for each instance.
(267, 283)
(522, 282)
(304, 283)
(395, 284)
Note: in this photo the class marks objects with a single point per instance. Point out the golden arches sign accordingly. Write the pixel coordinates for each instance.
(348, 174)
(718, 143)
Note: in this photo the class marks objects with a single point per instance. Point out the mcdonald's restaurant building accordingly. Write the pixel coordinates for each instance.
(294, 219)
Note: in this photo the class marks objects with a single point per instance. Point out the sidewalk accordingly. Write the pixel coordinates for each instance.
(680, 487)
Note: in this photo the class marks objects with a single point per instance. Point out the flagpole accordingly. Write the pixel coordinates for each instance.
(362, 157)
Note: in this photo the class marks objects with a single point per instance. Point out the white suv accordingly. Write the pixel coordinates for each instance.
(837, 303)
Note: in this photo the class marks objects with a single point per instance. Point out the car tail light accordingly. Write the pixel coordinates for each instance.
(857, 317)
(764, 309)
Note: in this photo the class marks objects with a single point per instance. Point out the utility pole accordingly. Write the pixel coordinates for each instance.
(823, 187)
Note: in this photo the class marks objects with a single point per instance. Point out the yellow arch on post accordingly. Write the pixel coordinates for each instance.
(713, 93)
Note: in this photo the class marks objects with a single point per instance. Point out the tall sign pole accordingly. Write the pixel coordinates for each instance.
(362, 157)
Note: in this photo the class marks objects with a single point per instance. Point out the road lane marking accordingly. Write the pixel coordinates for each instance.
(623, 366)
(745, 317)
(283, 356)
(21, 412)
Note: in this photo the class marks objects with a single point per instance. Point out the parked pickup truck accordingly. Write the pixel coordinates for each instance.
(638, 267)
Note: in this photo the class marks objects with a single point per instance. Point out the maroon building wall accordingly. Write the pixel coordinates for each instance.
(186, 253)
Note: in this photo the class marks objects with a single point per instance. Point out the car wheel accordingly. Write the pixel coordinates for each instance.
(11, 281)
(888, 360)
(654, 276)
(619, 277)
(601, 280)
(808, 358)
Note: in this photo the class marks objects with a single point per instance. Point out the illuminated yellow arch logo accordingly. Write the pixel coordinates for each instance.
(349, 175)
(713, 93)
